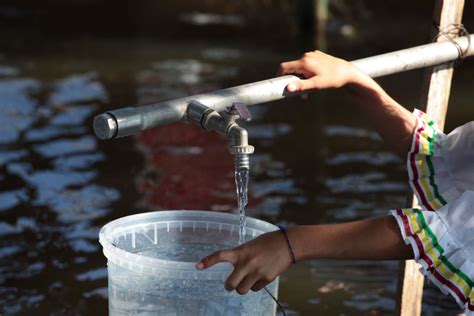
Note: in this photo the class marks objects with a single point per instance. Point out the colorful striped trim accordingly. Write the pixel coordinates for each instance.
(420, 165)
(455, 281)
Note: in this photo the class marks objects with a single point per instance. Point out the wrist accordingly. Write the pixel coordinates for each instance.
(292, 256)
(359, 81)
(308, 242)
(296, 236)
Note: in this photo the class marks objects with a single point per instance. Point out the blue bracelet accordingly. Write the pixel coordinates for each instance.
(283, 230)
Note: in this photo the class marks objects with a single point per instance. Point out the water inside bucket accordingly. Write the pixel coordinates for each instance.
(151, 265)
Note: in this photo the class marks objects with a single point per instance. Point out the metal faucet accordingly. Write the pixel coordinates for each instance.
(226, 125)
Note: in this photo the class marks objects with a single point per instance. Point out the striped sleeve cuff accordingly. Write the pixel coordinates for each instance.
(427, 173)
(442, 260)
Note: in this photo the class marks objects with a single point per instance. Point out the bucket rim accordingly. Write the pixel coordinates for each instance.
(155, 266)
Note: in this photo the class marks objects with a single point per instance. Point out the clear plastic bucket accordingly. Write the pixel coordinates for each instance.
(151, 265)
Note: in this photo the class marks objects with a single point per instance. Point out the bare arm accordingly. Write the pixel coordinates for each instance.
(393, 122)
(373, 239)
(321, 71)
(261, 260)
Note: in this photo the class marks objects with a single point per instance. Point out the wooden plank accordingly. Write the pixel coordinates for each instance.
(434, 101)
(321, 19)
(410, 282)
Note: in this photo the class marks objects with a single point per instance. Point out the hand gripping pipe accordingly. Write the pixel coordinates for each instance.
(132, 120)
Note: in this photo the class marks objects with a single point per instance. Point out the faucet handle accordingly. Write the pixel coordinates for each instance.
(242, 110)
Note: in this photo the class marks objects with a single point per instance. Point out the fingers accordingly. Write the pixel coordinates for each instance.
(288, 67)
(254, 282)
(303, 85)
(246, 284)
(293, 67)
(293, 87)
(319, 71)
(235, 278)
(259, 285)
(219, 256)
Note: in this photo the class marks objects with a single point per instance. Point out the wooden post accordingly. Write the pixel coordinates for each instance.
(434, 101)
(435, 97)
(321, 18)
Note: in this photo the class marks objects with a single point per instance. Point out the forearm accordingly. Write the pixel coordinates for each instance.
(392, 121)
(371, 239)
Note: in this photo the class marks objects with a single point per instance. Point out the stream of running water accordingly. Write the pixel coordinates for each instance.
(241, 183)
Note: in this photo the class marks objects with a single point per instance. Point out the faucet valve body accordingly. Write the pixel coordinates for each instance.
(225, 124)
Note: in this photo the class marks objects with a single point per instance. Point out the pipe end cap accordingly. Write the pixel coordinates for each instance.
(105, 126)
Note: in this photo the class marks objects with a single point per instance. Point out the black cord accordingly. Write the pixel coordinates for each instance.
(276, 301)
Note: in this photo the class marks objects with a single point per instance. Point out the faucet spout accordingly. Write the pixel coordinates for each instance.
(239, 147)
(239, 140)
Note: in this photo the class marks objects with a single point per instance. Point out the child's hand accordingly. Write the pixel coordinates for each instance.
(321, 71)
(256, 263)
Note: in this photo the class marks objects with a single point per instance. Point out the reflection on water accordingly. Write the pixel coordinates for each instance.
(49, 200)
(59, 185)
(17, 107)
(198, 18)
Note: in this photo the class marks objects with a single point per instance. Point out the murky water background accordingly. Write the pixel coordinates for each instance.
(315, 162)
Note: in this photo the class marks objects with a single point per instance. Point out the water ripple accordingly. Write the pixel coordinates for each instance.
(78, 88)
(364, 183)
(72, 205)
(92, 275)
(372, 158)
(202, 18)
(10, 199)
(263, 188)
(38, 134)
(269, 131)
(80, 161)
(221, 53)
(11, 155)
(8, 71)
(346, 131)
(17, 107)
(73, 116)
(48, 161)
(66, 146)
(6, 229)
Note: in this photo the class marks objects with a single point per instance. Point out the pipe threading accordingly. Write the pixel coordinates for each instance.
(241, 161)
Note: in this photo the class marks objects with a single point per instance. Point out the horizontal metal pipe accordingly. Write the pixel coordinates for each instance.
(131, 120)
(414, 58)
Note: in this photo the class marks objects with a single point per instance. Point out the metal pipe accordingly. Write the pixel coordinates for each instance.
(415, 57)
(131, 120)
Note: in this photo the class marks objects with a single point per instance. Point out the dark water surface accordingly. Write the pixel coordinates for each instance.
(317, 161)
